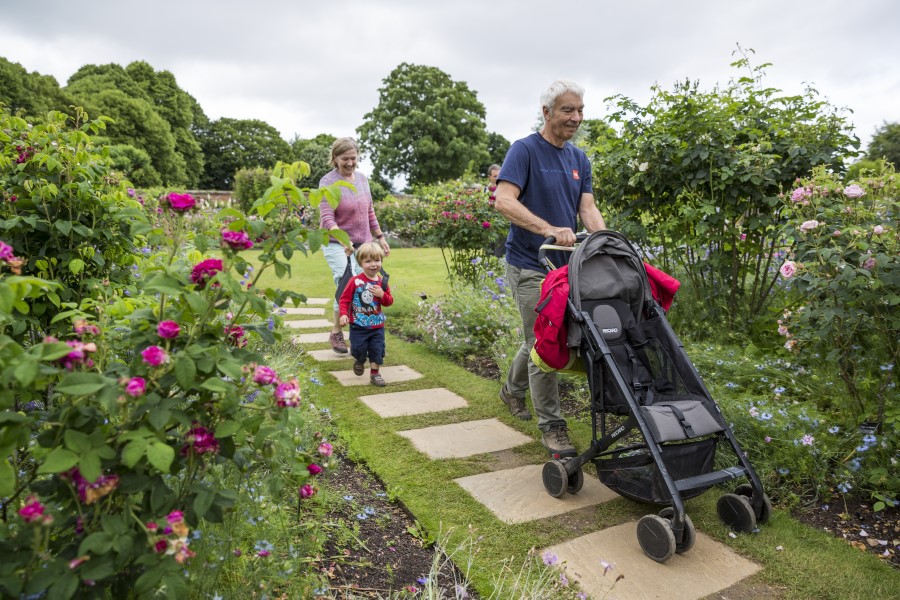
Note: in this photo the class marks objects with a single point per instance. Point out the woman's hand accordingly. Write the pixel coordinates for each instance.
(384, 246)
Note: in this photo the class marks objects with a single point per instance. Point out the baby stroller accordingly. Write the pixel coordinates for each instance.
(655, 426)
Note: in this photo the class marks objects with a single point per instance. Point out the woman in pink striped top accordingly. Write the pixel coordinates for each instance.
(355, 215)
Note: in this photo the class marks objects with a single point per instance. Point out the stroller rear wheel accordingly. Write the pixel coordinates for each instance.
(736, 512)
(688, 536)
(762, 517)
(656, 538)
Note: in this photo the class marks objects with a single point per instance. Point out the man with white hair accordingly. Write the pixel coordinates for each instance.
(544, 187)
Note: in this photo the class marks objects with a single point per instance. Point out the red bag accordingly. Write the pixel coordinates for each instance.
(550, 328)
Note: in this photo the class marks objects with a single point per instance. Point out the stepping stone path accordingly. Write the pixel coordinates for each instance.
(517, 495)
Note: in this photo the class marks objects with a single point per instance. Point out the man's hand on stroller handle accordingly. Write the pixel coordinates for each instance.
(561, 236)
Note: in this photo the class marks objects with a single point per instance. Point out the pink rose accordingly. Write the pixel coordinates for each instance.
(836, 233)
(878, 230)
(181, 202)
(854, 191)
(176, 516)
(235, 335)
(486, 224)
(168, 329)
(155, 356)
(870, 263)
(800, 194)
(236, 240)
(307, 491)
(788, 269)
(200, 440)
(264, 376)
(314, 469)
(287, 394)
(809, 225)
(205, 270)
(6, 251)
(136, 386)
(326, 449)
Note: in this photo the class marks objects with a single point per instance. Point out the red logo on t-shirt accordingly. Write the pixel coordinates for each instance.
(575, 174)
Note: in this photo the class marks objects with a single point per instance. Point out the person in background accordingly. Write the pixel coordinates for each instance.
(355, 215)
(360, 307)
(492, 173)
(544, 187)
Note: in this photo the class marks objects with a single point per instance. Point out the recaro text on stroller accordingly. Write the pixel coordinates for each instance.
(655, 426)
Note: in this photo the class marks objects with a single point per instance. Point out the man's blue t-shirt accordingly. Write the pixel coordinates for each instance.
(551, 180)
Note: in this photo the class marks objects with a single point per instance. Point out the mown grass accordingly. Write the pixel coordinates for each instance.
(803, 562)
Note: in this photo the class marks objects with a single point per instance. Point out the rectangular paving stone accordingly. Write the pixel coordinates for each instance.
(465, 439)
(303, 310)
(518, 495)
(414, 402)
(311, 338)
(327, 354)
(389, 374)
(705, 569)
(319, 300)
(308, 323)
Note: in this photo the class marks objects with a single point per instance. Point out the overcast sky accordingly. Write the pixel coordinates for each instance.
(315, 67)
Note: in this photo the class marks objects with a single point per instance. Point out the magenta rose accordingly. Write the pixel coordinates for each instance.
(6, 251)
(32, 511)
(236, 240)
(155, 356)
(314, 469)
(264, 376)
(168, 329)
(176, 516)
(235, 335)
(181, 202)
(307, 491)
(205, 270)
(136, 386)
(287, 394)
(199, 440)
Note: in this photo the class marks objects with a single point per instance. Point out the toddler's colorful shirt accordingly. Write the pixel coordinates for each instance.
(363, 308)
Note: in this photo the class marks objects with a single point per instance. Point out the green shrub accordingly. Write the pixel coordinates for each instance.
(405, 219)
(249, 185)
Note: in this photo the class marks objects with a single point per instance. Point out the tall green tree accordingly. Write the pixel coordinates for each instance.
(232, 144)
(31, 93)
(425, 127)
(698, 174)
(497, 147)
(316, 152)
(886, 144)
(149, 112)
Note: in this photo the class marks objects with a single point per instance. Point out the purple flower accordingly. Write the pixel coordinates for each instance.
(236, 240)
(205, 270)
(264, 376)
(870, 263)
(168, 329)
(154, 356)
(854, 191)
(136, 386)
(6, 251)
(181, 202)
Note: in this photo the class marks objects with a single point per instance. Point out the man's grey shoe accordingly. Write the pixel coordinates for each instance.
(516, 405)
(556, 441)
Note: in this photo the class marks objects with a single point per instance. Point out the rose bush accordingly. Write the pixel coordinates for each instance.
(125, 436)
(466, 227)
(843, 275)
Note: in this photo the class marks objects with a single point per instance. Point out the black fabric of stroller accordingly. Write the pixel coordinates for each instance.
(608, 285)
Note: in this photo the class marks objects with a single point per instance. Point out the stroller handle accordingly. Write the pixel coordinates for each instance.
(550, 244)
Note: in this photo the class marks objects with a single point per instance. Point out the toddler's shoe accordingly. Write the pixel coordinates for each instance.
(358, 368)
(377, 380)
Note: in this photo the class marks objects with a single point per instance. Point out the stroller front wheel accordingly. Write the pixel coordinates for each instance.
(746, 490)
(656, 537)
(555, 477)
(576, 482)
(688, 536)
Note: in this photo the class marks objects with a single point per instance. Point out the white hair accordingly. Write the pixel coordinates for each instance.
(557, 89)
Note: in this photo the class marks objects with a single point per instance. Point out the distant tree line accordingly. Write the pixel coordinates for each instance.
(426, 127)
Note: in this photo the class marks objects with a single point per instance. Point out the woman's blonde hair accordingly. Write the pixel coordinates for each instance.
(341, 145)
(369, 250)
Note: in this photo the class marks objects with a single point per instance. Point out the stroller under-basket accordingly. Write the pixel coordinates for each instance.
(655, 426)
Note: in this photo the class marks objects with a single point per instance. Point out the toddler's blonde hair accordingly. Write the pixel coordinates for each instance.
(369, 250)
